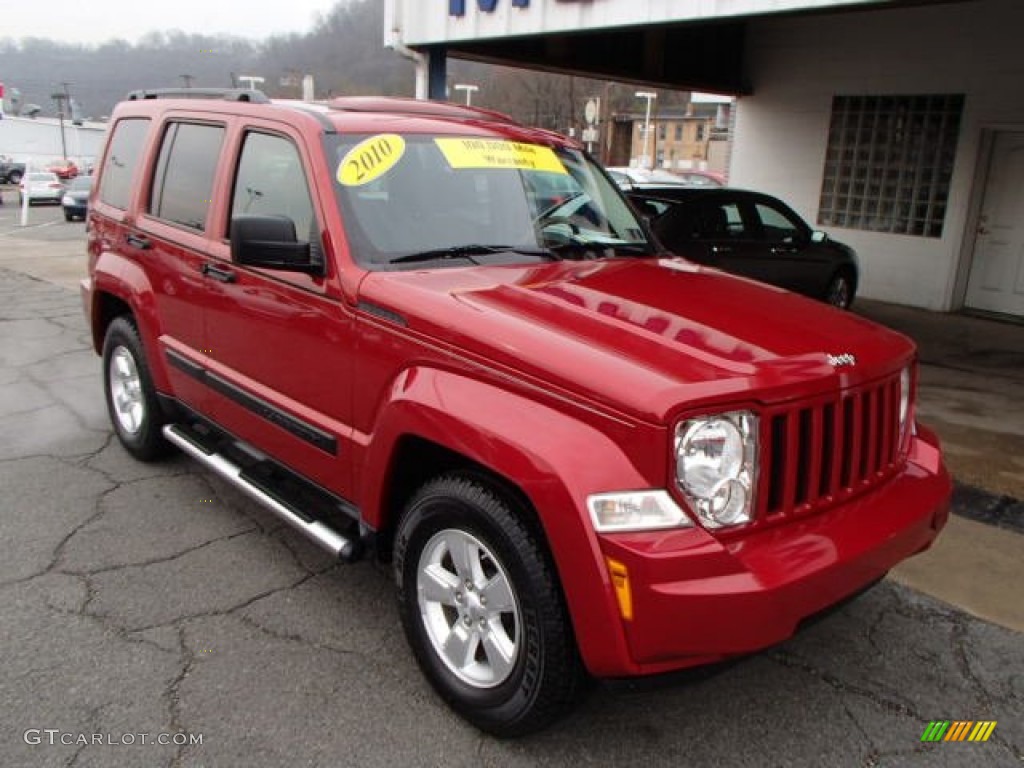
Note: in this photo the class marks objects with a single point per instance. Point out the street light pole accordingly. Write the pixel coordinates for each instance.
(470, 89)
(650, 96)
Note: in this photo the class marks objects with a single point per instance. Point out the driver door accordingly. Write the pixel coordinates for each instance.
(281, 341)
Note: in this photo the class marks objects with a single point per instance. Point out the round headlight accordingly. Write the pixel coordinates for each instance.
(716, 466)
(709, 452)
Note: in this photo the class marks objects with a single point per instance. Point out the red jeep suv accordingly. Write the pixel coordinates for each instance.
(581, 455)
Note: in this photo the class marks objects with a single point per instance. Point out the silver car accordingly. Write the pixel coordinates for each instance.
(40, 186)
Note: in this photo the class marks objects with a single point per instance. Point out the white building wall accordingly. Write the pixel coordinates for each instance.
(798, 64)
(38, 141)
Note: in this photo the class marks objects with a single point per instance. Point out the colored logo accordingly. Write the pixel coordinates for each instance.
(458, 7)
(958, 730)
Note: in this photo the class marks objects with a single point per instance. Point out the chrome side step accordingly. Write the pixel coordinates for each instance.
(340, 546)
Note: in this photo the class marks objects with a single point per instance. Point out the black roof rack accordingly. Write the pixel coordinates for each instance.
(227, 94)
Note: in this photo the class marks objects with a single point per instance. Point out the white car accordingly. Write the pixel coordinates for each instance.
(40, 186)
(637, 178)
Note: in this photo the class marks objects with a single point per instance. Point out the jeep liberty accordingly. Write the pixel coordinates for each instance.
(427, 334)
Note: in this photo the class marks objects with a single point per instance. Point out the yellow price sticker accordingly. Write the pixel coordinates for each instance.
(370, 159)
(499, 153)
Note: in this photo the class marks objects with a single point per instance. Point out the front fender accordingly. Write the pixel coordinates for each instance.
(556, 459)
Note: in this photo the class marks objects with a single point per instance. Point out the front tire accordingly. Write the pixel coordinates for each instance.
(482, 608)
(840, 291)
(131, 397)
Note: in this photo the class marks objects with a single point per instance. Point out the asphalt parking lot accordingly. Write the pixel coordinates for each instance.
(153, 599)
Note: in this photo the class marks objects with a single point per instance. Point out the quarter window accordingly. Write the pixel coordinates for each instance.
(122, 158)
(185, 170)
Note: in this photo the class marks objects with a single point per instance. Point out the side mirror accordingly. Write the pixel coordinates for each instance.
(817, 236)
(270, 242)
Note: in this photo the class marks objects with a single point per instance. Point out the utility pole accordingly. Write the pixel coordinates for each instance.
(60, 97)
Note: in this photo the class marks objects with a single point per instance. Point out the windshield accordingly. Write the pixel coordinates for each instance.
(409, 199)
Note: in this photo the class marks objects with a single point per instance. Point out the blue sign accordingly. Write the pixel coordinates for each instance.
(458, 7)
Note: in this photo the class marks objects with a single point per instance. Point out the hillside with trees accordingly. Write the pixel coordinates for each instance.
(343, 51)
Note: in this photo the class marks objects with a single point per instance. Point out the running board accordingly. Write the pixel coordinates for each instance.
(344, 548)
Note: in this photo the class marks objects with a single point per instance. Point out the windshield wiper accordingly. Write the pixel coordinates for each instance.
(584, 248)
(467, 252)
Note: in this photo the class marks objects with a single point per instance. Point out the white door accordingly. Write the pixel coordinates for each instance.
(996, 282)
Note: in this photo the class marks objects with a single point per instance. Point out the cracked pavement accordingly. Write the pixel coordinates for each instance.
(155, 599)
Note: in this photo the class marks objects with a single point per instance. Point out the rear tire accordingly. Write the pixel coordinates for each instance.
(131, 397)
(14, 178)
(482, 609)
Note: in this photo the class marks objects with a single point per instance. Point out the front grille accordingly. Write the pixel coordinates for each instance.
(817, 453)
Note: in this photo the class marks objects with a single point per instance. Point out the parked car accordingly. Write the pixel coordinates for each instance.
(65, 169)
(11, 172)
(751, 234)
(694, 178)
(39, 187)
(76, 198)
(578, 454)
(641, 178)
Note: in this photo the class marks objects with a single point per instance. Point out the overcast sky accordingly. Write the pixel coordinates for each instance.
(94, 21)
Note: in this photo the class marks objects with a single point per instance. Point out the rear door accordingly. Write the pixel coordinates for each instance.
(727, 235)
(170, 238)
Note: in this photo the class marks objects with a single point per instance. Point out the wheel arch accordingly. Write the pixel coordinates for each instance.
(543, 459)
(121, 287)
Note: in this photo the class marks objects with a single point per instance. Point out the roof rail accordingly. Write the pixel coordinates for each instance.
(227, 94)
(417, 107)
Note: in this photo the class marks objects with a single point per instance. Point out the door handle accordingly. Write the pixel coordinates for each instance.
(219, 274)
(139, 242)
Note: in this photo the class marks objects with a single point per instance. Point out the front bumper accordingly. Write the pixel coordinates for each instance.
(698, 598)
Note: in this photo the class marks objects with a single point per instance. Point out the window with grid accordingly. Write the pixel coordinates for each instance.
(889, 163)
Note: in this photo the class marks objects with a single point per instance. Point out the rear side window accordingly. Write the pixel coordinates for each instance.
(126, 144)
(185, 169)
(720, 220)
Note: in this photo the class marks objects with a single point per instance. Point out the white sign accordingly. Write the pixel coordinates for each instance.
(424, 22)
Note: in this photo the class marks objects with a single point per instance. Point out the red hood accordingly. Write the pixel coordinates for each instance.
(644, 336)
